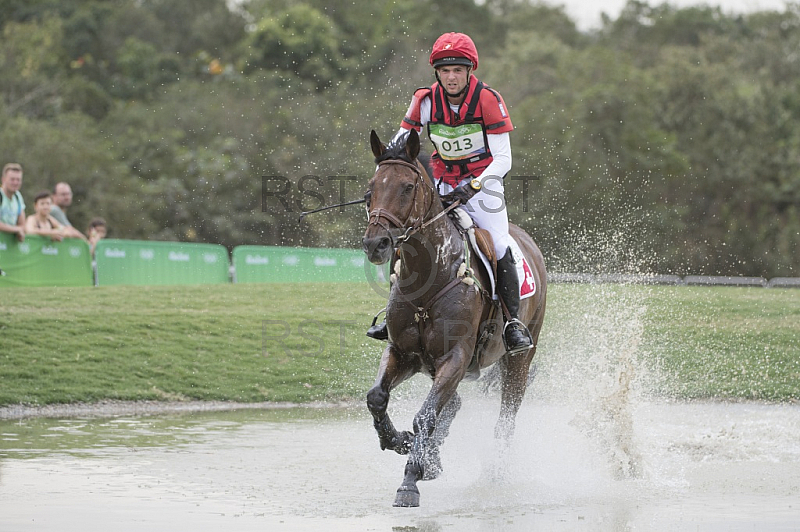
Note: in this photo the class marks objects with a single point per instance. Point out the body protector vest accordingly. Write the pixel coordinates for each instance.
(460, 137)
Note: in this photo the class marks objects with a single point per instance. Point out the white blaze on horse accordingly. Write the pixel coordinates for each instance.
(441, 315)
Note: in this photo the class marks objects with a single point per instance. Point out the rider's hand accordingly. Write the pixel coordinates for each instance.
(464, 192)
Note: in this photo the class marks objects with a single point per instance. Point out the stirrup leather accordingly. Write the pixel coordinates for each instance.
(524, 330)
(375, 319)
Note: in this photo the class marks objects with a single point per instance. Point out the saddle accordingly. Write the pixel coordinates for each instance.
(479, 239)
(481, 243)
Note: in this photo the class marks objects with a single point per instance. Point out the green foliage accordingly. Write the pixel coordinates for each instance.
(301, 40)
(663, 141)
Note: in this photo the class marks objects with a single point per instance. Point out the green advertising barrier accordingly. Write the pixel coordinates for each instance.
(140, 262)
(268, 264)
(38, 261)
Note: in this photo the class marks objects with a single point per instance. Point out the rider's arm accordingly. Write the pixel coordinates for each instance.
(500, 148)
(424, 116)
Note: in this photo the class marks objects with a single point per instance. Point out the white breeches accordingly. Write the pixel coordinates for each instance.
(487, 209)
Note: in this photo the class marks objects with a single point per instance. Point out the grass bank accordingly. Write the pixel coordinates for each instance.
(304, 342)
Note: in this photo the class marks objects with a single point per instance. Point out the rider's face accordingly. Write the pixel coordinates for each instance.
(454, 78)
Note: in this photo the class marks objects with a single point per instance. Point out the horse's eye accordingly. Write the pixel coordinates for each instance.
(408, 189)
(368, 198)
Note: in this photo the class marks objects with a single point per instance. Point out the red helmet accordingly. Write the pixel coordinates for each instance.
(454, 49)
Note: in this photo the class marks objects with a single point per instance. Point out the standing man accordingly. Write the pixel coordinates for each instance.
(469, 126)
(12, 206)
(62, 199)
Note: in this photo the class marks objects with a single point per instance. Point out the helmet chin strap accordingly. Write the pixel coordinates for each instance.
(460, 93)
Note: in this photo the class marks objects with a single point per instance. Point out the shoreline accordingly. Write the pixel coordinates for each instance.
(112, 408)
(145, 408)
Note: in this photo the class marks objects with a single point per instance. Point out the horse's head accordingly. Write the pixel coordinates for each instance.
(398, 195)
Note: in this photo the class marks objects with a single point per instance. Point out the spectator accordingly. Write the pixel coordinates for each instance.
(97, 230)
(62, 199)
(42, 222)
(12, 206)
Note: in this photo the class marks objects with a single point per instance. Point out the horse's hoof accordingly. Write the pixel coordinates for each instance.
(407, 497)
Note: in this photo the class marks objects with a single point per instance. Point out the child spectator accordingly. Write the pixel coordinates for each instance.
(41, 222)
(96, 231)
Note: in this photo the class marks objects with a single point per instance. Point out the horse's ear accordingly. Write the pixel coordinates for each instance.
(378, 148)
(412, 144)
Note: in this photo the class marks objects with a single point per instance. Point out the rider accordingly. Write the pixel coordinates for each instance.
(469, 126)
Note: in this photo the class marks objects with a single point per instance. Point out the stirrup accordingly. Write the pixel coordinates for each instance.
(378, 331)
(521, 348)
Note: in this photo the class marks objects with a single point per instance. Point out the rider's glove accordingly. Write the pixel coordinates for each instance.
(464, 192)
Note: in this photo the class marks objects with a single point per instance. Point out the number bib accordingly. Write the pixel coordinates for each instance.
(458, 143)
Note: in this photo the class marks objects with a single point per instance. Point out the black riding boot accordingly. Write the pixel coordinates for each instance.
(515, 335)
(378, 330)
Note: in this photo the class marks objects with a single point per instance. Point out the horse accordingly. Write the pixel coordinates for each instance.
(437, 307)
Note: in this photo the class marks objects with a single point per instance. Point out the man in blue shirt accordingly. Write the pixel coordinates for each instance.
(12, 206)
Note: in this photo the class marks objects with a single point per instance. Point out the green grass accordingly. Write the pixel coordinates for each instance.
(728, 342)
(304, 342)
(221, 342)
(686, 342)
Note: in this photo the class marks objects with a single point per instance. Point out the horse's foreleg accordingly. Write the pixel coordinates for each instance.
(432, 465)
(515, 382)
(441, 404)
(391, 373)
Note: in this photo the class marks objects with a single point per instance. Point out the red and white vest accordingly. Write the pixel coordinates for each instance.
(460, 138)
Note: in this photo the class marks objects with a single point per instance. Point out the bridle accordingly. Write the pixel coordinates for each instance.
(380, 216)
(377, 215)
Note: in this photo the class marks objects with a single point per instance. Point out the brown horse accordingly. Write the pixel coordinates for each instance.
(436, 309)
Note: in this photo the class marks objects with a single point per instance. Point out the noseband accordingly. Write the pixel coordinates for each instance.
(376, 216)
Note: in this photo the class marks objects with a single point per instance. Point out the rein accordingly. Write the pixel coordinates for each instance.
(375, 215)
(464, 275)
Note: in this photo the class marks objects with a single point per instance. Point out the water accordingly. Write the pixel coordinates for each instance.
(702, 466)
(595, 449)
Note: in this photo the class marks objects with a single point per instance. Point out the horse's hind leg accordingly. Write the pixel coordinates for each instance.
(514, 384)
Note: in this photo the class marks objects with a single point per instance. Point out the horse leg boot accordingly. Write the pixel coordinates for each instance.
(432, 463)
(389, 437)
(516, 336)
(424, 427)
(440, 406)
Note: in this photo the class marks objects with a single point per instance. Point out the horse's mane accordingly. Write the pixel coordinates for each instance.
(395, 150)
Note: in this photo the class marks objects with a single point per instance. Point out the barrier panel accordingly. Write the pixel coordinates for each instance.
(274, 264)
(784, 282)
(141, 262)
(723, 280)
(38, 261)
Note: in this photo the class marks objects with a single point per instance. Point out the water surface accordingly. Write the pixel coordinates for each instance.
(698, 466)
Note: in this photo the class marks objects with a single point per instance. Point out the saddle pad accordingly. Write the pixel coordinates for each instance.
(527, 283)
